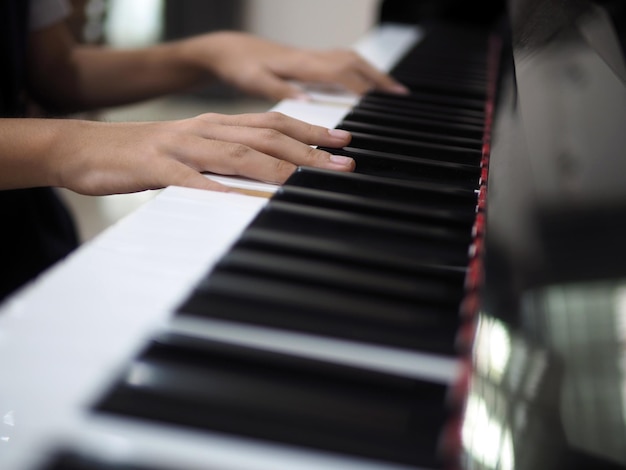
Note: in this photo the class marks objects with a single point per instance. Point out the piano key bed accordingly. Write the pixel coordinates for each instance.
(331, 329)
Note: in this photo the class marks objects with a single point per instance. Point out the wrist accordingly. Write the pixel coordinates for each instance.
(29, 153)
(65, 142)
(199, 55)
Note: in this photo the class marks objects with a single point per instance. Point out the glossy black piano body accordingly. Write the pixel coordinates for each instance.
(488, 229)
(556, 220)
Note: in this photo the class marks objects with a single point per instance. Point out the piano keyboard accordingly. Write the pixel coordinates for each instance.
(327, 334)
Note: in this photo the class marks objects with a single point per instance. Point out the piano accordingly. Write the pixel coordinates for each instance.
(458, 302)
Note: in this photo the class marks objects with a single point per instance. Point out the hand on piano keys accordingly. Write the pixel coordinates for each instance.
(263, 68)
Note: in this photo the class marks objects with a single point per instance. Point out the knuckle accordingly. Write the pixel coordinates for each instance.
(275, 118)
(269, 134)
(312, 130)
(283, 169)
(355, 56)
(314, 155)
(186, 127)
(248, 75)
(239, 152)
(206, 117)
(210, 118)
(346, 56)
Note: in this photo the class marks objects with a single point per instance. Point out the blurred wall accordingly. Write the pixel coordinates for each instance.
(311, 23)
(305, 23)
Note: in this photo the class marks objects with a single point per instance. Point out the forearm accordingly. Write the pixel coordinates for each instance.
(27, 152)
(78, 77)
(91, 157)
(108, 77)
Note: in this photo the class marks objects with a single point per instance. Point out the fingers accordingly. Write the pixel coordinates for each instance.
(281, 146)
(261, 154)
(110, 158)
(267, 147)
(353, 72)
(234, 159)
(179, 174)
(360, 76)
(302, 131)
(380, 80)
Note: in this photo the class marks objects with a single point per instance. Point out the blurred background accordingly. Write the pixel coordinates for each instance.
(320, 24)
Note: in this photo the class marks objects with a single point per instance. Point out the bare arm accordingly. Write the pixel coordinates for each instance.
(107, 158)
(68, 76)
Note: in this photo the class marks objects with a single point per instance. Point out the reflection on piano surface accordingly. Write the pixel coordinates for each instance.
(456, 302)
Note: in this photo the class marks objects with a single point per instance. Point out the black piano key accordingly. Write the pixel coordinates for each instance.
(285, 399)
(344, 297)
(441, 101)
(306, 247)
(388, 118)
(408, 106)
(349, 277)
(349, 304)
(411, 168)
(420, 242)
(402, 212)
(323, 311)
(273, 240)
(453, 61)
(399, 146)
(463, 66)
(422, 102)
(430, 194)
(416, 136)
(416, 83)
(460, 56)
(435, 66)
(276, 291)
(426, 114)
(458, 76)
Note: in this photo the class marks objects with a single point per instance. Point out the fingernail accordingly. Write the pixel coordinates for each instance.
(339, 134)
(401, 89)
(341, 160)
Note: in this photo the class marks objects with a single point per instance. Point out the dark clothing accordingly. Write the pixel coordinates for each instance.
(13, 36)
(37, 229)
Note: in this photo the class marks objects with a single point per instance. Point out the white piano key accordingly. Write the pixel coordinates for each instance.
(117, 440)
(414, 364)
(319, 114)
(384, 46)
(63, 337)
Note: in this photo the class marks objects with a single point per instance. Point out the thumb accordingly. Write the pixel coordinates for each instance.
(179, 174)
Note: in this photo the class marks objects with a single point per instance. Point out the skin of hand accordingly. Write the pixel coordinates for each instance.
(264, 68)
(98, 158)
